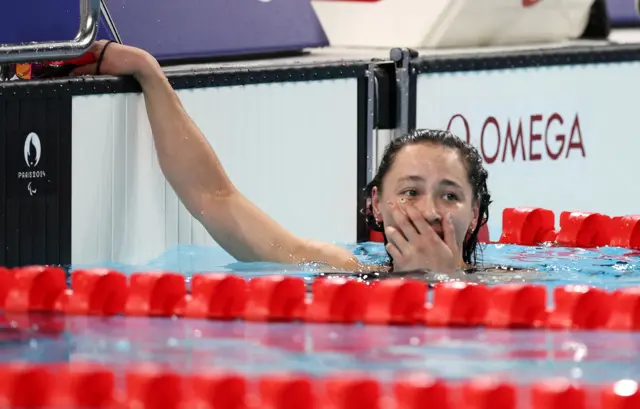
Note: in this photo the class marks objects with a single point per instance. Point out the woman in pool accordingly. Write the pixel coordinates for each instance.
(429, 197)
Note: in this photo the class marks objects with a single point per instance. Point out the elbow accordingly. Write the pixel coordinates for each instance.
(201, 203)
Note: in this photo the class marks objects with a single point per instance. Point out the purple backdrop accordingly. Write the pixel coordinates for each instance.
(171, 29)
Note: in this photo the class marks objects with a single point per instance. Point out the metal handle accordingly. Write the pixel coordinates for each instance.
(57, 50)
(402, 58)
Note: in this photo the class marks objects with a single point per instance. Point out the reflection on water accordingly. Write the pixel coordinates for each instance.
(320, 349)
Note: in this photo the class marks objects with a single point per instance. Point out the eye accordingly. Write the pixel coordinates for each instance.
(410, 193)
(451, 197)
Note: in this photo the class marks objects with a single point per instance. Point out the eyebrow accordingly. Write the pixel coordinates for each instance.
(416, 178)
(411, 178)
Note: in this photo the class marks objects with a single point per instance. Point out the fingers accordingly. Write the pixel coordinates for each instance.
(89, 69)
(450, 234)
(425, 231)
(421, 225)
(403, 222)
(393, 251)
(396, 238)
(97, 46)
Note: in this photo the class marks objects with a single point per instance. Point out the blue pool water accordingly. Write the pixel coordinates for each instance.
(382, 351)
(607, 268)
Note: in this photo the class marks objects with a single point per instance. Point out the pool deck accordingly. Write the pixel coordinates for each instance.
(331, 55)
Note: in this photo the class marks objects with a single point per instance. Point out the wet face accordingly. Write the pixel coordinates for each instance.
(433, 179)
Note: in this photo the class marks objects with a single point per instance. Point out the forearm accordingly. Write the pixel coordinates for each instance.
(186, 158)
(194, 171)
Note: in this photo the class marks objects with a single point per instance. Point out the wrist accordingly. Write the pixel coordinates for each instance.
(147, 70)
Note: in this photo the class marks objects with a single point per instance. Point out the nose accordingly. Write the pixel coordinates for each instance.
(430, 210)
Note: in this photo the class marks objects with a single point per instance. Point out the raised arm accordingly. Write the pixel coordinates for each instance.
(194, 171)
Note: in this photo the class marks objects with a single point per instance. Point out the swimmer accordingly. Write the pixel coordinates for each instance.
(429, 197)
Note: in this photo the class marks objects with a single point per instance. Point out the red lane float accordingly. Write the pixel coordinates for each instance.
(623, 394)
(396, 301)
(625, 310)
(488, 393)
(338, 300)
(412, 391)
(280, 298)
(286, 391)
(6, 284)
(95, 292)
(458, 304)
(532, 226)
(215, 296)
(517, 306)
(25, 385)
(217, 389)
(580, 307)
(586, 230)
(526, 226)
(352, 391)
(625, 232)
(557, 394)
(34, 288)
(155, 294)
(149, 386)
(83, 385)
(275, 298)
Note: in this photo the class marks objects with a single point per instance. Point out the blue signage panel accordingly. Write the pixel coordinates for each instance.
(42, 20)
(623, 12)
(171, 29)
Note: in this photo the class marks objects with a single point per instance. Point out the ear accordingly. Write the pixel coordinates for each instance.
(476, 215)
(375, 203)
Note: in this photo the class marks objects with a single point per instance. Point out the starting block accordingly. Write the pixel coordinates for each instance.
(451, 23)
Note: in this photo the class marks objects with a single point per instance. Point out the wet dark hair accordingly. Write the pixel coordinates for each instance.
(476, 173)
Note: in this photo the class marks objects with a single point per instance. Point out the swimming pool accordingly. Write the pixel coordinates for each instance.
(452, 353)
(346, 354)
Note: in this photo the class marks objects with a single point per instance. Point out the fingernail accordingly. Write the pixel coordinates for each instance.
(449, 217)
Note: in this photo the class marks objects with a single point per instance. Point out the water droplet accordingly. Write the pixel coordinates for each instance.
(123, 345)
(576, 373)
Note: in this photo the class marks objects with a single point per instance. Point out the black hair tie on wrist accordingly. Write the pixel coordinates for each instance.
(101, 57)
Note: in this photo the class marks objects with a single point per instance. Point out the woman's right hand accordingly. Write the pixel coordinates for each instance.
(119, 60)
(414, 244)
